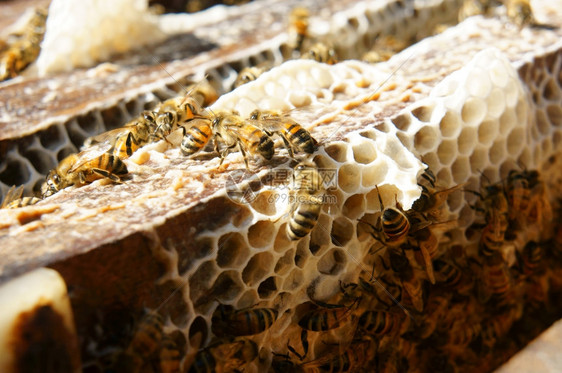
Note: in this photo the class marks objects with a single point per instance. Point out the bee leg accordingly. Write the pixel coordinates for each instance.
(288, 146)
(243, 154)
(107, 175)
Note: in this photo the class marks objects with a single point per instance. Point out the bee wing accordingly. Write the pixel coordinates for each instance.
(106, 137)
(11, 195)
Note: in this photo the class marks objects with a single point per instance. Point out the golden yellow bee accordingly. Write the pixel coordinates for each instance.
(384, 47)
(294, 136)
(203, 93)
(173, 113)
(321, 52)
(298, 27)
(392, 226)
(127, 139)
(26, 48)
(78, 169)
(224, 357)
(496, 283)
(170, 356)
(234, 131)
(308, 197)
(196, 136)
(249, 74)
(227, 321)
(13, 199)
(381, 323)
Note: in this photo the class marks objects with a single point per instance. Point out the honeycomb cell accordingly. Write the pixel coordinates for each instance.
(498, 73)
(259, 266)
(342, 231)
(546, 146)
(268, 287)
(426, 139)
(302, 254)
(554, 113)
(264, 203)
(402, 121)
(282, 241)
(40, 159)
(354, 206)
(199, 282)
(423, 113)
(460, 169)
(114, 116)
(261, 233)
(542, 122)
(15, 172)
(557, 139)
(478, 83)
(337, 151)
(447, 151)
(478, 159)
(497, 152)
(374, 174)
(284, 263)
(467, 140)
(551, 90)
(372, 200)
(473, 111)
(198, 327)
(227, 287)
(293, 281)
(444, 176)
(507, 121)
(521, 111)
(320, 238)
(53, 137)
(349, 177)
(91, 122)
(364, 152)
(232, 250)
(332, 263)
(515, 141)
(248, 299)
(450, 124)
(496, 103)
(488, 132)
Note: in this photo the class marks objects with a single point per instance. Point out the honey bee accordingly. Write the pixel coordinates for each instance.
(144, 343)
(380, 323)
(411, 284)
(13, 199)
(26, 48)
(518, 192)
(249, 74)
(326, 316)
(234, 131)
(77, 169)
(309, 195)
(452, 276)
(196, 136)
(496, 327)
(227, 321)
(392, 226)
(496, 209)
(496, 280)
(298, 27)
(384, 48)
(430, 201)
(170, 355)
(531, 259)
(321, 52)
(358, 355)
(127, 139)
(224, 357)
(203, 93)
(173, 112)
(295, 137)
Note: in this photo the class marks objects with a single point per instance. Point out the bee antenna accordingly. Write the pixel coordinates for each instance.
(379, 195)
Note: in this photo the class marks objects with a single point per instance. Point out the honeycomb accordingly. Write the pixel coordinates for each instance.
(484, 113)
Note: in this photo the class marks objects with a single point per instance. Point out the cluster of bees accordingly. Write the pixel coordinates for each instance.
(421, 307)
(20, 49)
(519, 12)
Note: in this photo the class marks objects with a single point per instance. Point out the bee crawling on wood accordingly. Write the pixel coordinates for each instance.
(13, 199)
(79, 169)
(25, 49)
